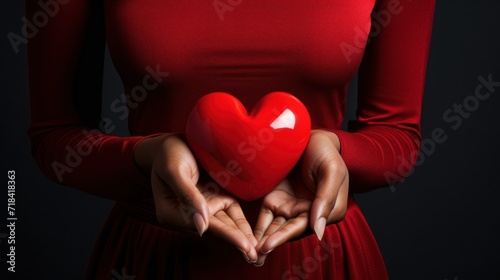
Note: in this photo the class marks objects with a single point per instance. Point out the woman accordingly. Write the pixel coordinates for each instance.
(169, 54)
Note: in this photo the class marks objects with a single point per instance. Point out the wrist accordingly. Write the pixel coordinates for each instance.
(332, 135)
(146, 150)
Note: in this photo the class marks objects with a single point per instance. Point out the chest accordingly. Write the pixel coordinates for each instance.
(239, 38)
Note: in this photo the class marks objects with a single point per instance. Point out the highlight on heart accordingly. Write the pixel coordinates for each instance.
(248, 154)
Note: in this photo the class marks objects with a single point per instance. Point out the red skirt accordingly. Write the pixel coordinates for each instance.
(131, 245)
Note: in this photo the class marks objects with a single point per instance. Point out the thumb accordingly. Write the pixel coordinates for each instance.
(180, 175)
(323, 204)
(331, 176)
(171, 200)
(325, 172)
(192, 204)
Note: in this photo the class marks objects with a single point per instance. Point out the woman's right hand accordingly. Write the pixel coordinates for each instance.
(182, 202)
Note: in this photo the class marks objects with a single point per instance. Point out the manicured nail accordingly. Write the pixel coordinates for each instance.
(259, 264)
(260, 261)
(319, 227)
(246, 257)
(199, 223)
(265, 253)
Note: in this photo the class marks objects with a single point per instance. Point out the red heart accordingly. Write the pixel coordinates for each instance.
(248, 155)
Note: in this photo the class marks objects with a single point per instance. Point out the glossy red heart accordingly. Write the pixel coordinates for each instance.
(248, 155)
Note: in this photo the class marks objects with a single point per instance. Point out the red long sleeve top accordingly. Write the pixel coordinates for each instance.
(168, 54)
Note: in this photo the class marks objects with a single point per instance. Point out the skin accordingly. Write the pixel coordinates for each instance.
(183, 201)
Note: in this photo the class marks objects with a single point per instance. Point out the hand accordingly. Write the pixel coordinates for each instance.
(319, 199)
(182, 202)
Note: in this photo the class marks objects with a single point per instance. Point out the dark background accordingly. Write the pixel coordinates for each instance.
(441, 223)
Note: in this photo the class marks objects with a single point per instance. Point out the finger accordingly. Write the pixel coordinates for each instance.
(323, 171)
(271, 226)
(169, 212)
(264, 219)
(165, 204)
(339, 210)
(181, 178)
(293, 228)
(236, 214)
(285, 200)
(260, 260)
(223, 226)
(274, 226)
(192, 205)
(332, 174)
(293, 208)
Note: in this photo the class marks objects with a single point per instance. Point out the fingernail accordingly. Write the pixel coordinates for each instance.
(260, 261)
(259, 264)
(265, 253)
(199, 223)
(246, 257)
(319, 227)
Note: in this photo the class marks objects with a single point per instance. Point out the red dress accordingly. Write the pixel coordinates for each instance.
(170, 53)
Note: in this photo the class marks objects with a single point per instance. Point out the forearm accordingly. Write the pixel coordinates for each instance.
(382, 143)
(88, 160)
(378, 156)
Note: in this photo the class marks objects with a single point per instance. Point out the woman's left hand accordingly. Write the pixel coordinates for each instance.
(318, 199)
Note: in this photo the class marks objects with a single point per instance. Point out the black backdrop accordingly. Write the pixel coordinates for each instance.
(441, 223)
